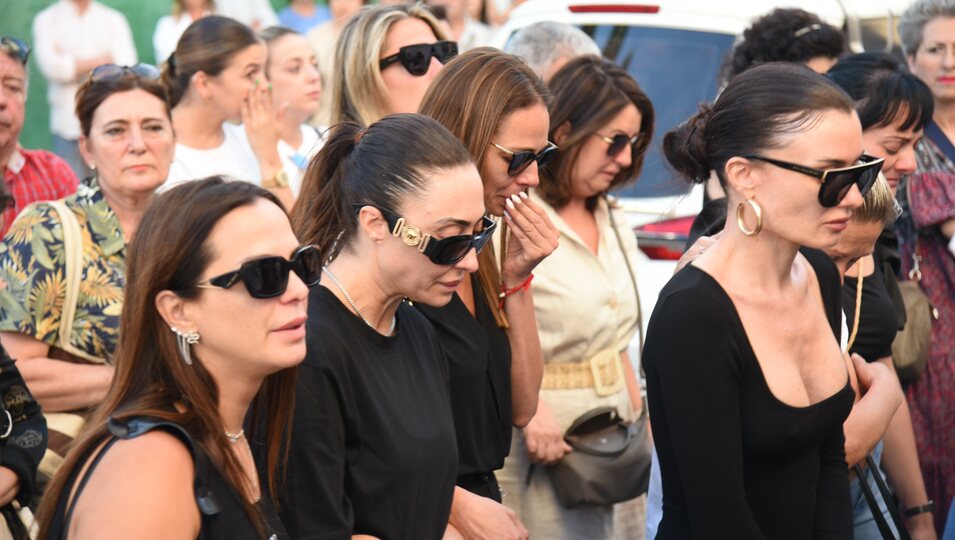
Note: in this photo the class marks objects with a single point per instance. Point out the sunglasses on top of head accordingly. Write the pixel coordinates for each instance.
(267, 277)
(446, 251)
(521, 160)
(836, 183)
(618, 142)
(417, 58)
(112, 72)
(15, 47)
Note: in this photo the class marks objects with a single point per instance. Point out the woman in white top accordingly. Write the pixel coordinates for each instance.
(169, 28)
(603, 123)
(215, 82)
(292, 70)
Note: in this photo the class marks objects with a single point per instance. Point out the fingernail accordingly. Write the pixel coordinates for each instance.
(256, 82)
(516, 199)
(506, 215)
(523, 195)
(510, 204)
(270, 87)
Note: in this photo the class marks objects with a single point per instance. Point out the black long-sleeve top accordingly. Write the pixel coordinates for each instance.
(735, 461)
(373, 447)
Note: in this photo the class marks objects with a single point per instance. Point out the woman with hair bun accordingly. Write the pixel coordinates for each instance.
(216, 82)
(398, 211)
(757, 399)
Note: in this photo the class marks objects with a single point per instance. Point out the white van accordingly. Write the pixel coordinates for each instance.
(675, 49)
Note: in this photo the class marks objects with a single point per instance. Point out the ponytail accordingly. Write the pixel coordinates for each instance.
(319, 216)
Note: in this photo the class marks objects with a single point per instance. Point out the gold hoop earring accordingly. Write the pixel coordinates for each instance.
(741, 222)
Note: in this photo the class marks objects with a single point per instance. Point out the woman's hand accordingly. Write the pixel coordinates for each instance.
(262, 126)
(478, 518)
(544, 438)
(533, 237)
(702, 244)
(9, 485)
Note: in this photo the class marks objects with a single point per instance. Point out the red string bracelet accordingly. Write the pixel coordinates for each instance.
(505, 292)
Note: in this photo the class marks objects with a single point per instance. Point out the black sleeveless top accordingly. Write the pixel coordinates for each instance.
(221, 509)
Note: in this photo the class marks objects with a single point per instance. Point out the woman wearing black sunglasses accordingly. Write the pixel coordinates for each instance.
(397, 210)
(213, 329)
(748, 388)
(387, 56)
(496, 105)
(603, 123)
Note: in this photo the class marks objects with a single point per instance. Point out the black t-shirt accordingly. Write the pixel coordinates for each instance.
(735, 461)
(373, 446)
(479, 359)
(877, 320)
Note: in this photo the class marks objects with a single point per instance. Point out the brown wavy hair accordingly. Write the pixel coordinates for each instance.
(170, 252)
(588, 92)
(472, 96)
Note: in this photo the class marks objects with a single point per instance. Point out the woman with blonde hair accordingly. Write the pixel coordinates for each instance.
(497, 106)
(386, 57)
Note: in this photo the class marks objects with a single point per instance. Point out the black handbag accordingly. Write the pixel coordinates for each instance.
(610, 462)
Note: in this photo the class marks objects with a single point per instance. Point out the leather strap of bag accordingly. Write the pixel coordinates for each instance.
(915, 274)
(858, 311)
(877, 516)
(633, 276)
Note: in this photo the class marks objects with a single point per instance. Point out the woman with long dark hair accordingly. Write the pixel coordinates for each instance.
(212, 330)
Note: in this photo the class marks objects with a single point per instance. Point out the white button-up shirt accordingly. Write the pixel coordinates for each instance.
(257, 14)
(61, 37)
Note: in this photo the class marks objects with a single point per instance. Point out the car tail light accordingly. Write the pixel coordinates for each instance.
(664, 240)
(614, 8)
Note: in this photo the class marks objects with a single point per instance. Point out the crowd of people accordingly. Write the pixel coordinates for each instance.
(346, 272)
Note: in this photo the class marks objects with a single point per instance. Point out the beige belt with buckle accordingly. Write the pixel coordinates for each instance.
(602, 372)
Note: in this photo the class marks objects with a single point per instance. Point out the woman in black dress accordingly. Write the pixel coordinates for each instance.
(496, 106)
(747, 416)
(397, 209)
(213, 326)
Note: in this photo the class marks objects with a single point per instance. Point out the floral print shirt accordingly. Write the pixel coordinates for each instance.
(33, 277)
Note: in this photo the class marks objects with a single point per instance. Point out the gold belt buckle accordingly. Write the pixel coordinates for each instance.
(607, 372)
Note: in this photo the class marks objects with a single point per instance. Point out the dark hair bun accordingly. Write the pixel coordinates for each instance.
(685, 147)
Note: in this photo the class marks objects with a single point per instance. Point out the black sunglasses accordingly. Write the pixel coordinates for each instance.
(618, 142)
(17, 47)
(268, 277)
(417, 58)
(836, 183)
(521, 160)
(111, 72)
(445, 251)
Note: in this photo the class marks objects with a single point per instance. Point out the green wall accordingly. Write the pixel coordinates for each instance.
(16, 19)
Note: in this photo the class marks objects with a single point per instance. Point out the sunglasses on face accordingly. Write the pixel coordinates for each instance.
(111, 72)
(417, 58)
(836, 183)
(618, 142)
(521, 160)
(446, 251)
(268, 277)
(16, 47)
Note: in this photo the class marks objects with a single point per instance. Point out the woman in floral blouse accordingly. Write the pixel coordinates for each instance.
(127, 139)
